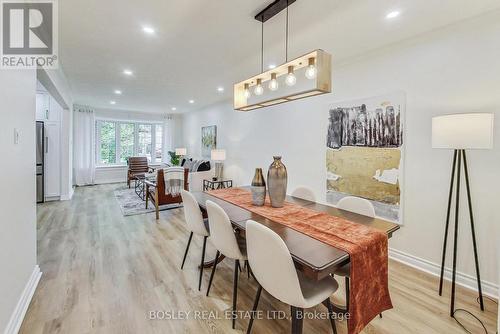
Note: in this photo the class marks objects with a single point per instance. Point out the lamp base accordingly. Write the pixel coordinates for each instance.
(459, 154)
(219, 166)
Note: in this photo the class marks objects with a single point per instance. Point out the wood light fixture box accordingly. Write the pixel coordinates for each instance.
(282, 90)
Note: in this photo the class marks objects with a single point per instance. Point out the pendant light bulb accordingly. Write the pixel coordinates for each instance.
(291, 79)
(311, 71)
(273, 84)
(259, 90)
(247, 91)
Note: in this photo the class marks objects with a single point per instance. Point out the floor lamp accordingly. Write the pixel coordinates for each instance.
(460, 132)
(218, 156)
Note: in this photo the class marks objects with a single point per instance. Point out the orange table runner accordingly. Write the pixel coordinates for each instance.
(366, 246)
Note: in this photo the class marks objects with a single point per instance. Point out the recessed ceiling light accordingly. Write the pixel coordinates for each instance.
(393, 14)
(112, 102)
(174, 108)
(220, 89)
(118, 92)
(271, 66)
(127, 72)
(148, 30)
(191, 101)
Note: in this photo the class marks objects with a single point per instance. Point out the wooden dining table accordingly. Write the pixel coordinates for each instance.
(314, 258)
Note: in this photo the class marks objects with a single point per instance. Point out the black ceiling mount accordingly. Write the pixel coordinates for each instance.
(273, 9)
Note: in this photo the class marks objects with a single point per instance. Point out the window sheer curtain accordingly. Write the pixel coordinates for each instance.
(168, 138)
(84, 145)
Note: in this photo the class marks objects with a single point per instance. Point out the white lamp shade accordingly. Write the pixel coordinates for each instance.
(463, 131)
(218, 155)
(180, 151)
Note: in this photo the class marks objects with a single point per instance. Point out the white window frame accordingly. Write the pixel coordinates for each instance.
(117, 141)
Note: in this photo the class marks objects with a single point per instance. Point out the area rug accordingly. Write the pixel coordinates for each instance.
(131, 204)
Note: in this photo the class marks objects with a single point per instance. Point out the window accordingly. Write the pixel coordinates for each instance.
(145, 140)
(117, 141)
(158, 142)
(126, 141)
(107, 147)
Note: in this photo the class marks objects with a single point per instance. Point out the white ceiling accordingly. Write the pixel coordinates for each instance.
(203, 44)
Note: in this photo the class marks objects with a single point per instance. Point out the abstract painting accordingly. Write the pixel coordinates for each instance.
(364, 153)
(208, 140)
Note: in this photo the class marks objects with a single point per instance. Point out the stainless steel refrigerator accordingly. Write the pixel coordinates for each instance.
(40, 153)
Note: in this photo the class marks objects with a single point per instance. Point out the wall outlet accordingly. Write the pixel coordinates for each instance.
(16, 136)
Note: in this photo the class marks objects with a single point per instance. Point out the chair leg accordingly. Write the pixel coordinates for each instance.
(187, 249)
(380, 315)
(213, 272)
(235, 289)
(247, 266)
(254, 309)
(147, 198)
(330, 315)
(202, 261)
(157, 205)
(347, 292)
(297, 319)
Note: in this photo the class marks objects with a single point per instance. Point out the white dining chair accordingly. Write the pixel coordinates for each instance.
(360, 206)
(357, 205)
(273, 268)
(304, 193)
(196, 225)
(224, 239)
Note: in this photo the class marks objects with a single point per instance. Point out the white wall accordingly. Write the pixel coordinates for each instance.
(119, 173)
(17, 198)
(452, 70)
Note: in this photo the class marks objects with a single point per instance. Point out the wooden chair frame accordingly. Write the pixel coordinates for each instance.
(158, 195)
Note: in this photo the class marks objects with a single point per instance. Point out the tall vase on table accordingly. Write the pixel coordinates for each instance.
(258, 188)
(276, 182)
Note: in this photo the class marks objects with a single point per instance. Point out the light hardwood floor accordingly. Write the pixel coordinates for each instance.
(104, 273)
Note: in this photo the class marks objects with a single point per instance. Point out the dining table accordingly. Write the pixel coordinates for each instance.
(314, 258)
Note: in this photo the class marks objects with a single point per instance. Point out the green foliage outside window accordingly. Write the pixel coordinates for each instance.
(126, 141)
(117, 141)
(108, 144)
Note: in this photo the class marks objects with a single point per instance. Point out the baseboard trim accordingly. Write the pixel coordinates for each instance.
(111, 181)
(24, 301)
(465, 280)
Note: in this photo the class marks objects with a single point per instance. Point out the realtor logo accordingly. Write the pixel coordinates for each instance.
(29, 34)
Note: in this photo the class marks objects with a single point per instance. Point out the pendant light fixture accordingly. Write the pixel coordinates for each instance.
(314, 69)
(247, 90)
(311, 71)
(259, 90)
(291, 79)
(273, 84)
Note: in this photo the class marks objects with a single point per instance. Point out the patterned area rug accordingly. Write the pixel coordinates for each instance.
(131, 204)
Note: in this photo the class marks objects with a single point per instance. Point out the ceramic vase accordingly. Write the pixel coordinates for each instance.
(276, 182)
(258, 188)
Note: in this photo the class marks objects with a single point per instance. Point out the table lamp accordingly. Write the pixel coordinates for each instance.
(180, 152)
(461, 132)
(218, 156)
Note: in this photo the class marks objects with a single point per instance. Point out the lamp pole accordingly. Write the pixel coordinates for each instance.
(457, 167)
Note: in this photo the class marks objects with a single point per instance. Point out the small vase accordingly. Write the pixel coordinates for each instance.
(276, 182)
(258, 188)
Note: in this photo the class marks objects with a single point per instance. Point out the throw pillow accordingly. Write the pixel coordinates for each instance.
(196, 164)
(204, 166)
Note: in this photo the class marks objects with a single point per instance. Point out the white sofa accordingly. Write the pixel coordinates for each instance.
(195, 179)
